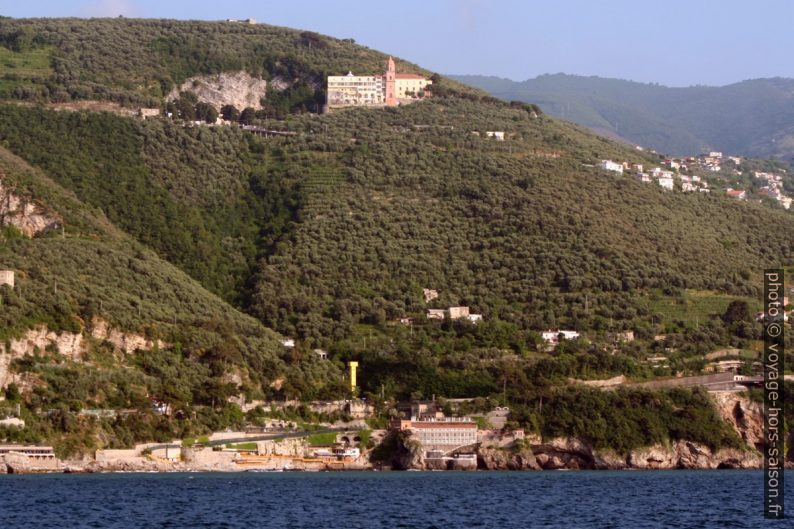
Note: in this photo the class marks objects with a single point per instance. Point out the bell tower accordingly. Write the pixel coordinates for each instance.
(390, 77)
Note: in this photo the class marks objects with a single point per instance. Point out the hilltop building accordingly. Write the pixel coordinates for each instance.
(387, 89)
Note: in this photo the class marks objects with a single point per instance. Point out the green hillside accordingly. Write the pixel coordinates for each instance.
(750, 118)
(137, 62)
(66, 279)
(212, 240)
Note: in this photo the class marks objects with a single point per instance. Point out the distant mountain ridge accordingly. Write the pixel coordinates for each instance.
(750, 118)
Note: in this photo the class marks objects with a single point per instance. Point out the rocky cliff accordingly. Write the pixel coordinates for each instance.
(28, 217)
(746, 416)
(238, 89)
(41, 340)
(530, 453)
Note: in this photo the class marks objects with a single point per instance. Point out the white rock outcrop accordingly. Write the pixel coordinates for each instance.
(236, 88)
(26, 216)
(41, 340)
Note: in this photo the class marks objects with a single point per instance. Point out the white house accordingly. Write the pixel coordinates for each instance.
(666, 182)
(553, 337)
(288, 342)
(609, 165)
(498, 134)
(686, 187)
(474, 318)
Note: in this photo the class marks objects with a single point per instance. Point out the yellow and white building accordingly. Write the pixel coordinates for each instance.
(388, 89)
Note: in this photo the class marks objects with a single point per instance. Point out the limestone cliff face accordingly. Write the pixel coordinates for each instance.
(746, 416)
(71, 345)
(410, 455)
(499, 459)
(685, 454)
(125, 342)
(26, 216)
(237, 88)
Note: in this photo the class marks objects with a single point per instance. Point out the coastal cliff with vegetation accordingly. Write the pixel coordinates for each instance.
(171, 273)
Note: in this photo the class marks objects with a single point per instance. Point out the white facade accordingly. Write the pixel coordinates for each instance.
(359, 90)
(554, 336)
(7, 278)
(448, 433)
(498, 134)
(666, 183)
(609, 165)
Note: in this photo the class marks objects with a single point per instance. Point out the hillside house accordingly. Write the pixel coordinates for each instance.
(738, 194)
(474, 318)
(7, 278)
(666, 182)
(609, 165)
(436, 314)
(456, 313)
(553, 337)
(498, 134)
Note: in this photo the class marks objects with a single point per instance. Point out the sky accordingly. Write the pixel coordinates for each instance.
(670, 42)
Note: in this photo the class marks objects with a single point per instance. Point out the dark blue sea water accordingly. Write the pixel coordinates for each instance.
(636, 500)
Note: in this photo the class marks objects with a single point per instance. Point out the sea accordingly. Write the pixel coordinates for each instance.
(566, 499)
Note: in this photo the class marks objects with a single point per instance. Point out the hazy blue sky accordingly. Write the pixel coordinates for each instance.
(672, 42)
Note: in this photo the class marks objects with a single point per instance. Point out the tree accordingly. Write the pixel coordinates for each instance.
(247, 116)
(737, 311)
(206, 112)
(230, 113)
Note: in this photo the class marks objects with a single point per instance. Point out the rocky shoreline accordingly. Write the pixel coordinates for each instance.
(498, 451)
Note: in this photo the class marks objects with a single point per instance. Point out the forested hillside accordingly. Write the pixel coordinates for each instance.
(209, 240)
(91, 274)
(137, 62)
(750, 118)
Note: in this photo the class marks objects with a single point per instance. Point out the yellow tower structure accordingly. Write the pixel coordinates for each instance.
(353, 367)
